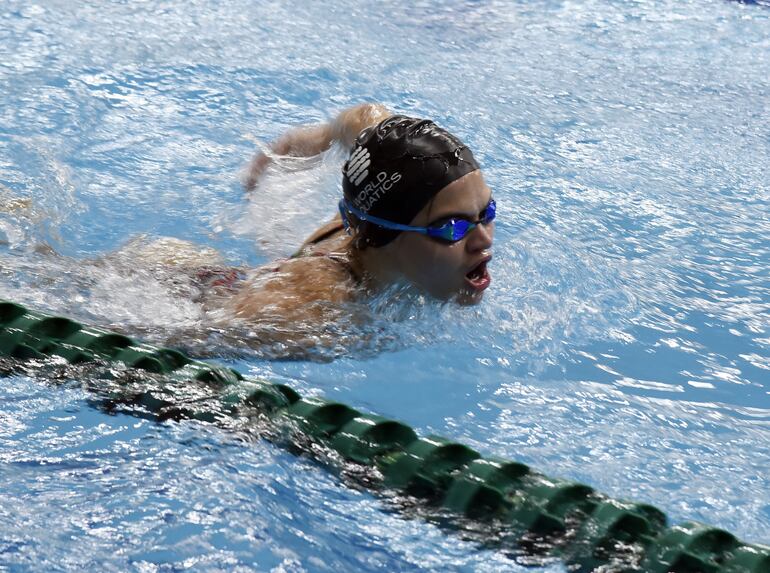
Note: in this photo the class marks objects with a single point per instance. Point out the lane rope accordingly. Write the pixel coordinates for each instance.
(583, 527)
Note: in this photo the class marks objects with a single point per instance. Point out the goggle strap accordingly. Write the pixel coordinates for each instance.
(385, 224)
(451, 231)
(344, 217)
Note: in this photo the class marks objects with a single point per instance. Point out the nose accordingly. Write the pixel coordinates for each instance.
(480, 238)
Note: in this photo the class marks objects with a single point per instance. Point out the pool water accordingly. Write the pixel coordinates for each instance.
(624, 342)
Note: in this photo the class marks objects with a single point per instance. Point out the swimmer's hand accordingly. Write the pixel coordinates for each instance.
(312, 140)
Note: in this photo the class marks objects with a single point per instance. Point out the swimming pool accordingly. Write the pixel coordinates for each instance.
(624, 342)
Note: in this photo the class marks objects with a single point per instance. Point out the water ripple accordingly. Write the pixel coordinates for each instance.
(625, 339)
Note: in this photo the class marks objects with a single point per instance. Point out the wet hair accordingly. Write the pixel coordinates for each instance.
(396, 168)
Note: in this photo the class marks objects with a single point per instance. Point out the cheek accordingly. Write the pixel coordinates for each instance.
(430, 262)
(415, 256)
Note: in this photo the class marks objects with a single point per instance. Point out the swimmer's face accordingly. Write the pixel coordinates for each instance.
(449, 271)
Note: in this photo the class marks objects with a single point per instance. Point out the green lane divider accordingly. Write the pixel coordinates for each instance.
(585, 528)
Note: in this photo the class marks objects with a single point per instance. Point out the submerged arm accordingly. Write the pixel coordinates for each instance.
(312, 140)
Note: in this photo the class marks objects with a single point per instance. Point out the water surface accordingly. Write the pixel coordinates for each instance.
(625, 341)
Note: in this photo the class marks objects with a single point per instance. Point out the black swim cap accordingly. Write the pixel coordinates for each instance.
(396, 167)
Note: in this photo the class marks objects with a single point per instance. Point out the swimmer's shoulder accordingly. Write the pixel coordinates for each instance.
(326, 276)
(295, 289)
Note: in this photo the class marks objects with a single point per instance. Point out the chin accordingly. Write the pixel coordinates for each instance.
(469, 298)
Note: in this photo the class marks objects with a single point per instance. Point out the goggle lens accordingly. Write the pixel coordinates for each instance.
(489, 212)
(455, 229)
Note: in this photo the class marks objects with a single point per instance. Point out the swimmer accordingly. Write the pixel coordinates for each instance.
(415, 211)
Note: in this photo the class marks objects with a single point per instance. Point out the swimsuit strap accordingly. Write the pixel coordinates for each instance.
(306, 251)
(327, 234)
(340, 257)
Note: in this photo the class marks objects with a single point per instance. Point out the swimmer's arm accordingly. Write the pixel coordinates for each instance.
(305, 306)
(350, 122)
(312, 140)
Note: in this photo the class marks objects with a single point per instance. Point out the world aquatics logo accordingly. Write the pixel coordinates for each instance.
(357, 167)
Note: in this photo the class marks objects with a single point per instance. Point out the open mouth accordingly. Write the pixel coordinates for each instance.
(478, 278)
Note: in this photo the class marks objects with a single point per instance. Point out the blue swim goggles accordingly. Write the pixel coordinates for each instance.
(450, 230)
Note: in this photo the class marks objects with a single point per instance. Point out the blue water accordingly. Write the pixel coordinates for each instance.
(625, 341)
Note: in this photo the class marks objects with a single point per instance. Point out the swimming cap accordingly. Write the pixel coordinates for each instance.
(396, 167)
